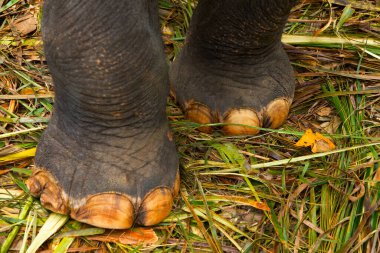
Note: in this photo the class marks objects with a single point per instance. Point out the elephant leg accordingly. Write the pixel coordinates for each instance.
(233, 68)
(106, 158)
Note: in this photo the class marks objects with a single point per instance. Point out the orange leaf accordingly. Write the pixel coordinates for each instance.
(133, 236)
(2, 172)
(261, 205)
(26, 24)
(377, 175)
(325, 111)
(317, 141)
(240, 200)
(322, 144)
(359, 188)
(27, 91)
(308, 139)
(5, 106)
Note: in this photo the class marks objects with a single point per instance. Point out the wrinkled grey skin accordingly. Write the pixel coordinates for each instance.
(109, 128)
(109, 131)
(233, 55)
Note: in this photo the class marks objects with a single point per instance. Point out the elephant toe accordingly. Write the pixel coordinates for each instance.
(241, 122)
(155, 206)
(111, 210)
(276, 112)
(42, 184)
(106, 210)
(199, 113)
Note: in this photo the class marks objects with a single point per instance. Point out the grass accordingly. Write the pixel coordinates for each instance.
(238, 194)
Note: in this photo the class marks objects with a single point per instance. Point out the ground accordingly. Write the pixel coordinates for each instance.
(238, 194)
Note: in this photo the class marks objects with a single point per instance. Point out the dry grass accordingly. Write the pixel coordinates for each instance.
(238, 194)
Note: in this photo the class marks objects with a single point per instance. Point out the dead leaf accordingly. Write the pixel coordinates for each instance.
(133, 236)
(307, 140)
(27, 91)
(10, 193)
(359, 188)
(246, 201)
(322, 144)
(2, 172)
(317, 142)
(81, 249)
(377, 175)
(26, 24)
(331, 126)
(166, 30)
(325, 111)
(19, 156)
(239, 200)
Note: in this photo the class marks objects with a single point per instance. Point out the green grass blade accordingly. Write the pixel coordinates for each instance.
(347, 13)
(8, 5)
(308, 157)
(52, 225)
(12, 235)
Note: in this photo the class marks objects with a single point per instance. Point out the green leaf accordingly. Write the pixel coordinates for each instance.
(82, 232)
(8, 5)
(230, 153)
(52, 225)
(347, 13)
(18, 156)
(12, 235)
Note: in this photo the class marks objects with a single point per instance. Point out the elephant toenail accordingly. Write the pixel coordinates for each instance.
(155, 206)
(106, 210)
(276, 112)
(241, 122)
(199, 113)
(34, 186)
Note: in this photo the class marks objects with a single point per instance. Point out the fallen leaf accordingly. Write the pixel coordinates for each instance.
(20, 155)
(377, 175)
(331, 126)
(5, 105)
(308, 139)
(359, 188)
(2, 172)
(10, 193)
(316, 141)
(322, 144)
(325, 111)
(239, 200)
(81, 249)
(26, 24)
(27, 91)
(166, 30)
(133, 236)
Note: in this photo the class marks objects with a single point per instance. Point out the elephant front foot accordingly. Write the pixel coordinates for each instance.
(244, 96)
(233, 69)
(107, 210)
(114, 184)
(239, 121)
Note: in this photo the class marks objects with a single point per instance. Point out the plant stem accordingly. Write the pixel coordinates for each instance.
(12, 235)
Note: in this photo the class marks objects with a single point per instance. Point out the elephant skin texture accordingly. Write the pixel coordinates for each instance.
(107, 157)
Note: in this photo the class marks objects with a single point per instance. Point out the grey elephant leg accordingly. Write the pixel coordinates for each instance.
(232, 68)
(106, 158)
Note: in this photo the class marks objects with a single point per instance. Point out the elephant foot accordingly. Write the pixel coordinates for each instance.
(242, 96)
(107, 157)
(239, 121)
(116, 185)
(233, 68)
(107, 210)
